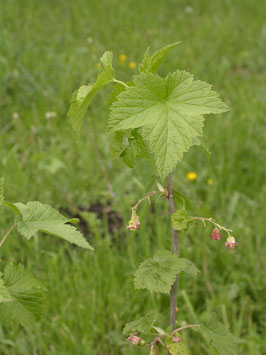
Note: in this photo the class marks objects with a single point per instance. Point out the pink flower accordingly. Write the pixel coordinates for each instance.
(230, 243)
(134, 222)
(176, 339)
(135, 340)
(216, 234)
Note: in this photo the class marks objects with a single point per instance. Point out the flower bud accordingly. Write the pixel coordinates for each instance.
(216, 234)
(230, 243)
(134, 222)
(135, 340)
(176, 339)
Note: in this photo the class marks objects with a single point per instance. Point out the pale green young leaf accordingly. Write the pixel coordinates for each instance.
(26, 296)
(170, 112)
(82, 97)
(176, 348)
(152, 64)
(158, 274)
(219, 336)
(142, 325)
(35, 216)
(181, 220)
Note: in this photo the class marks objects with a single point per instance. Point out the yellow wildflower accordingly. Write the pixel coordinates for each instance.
(122, 57)
(132, 65)
(191, 176)
(209, 181)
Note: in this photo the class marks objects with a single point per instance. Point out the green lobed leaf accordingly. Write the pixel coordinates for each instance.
(82, 97)
(176, 348)
(142, 325)
(218, 336)
(35, 216)
(181, 220)
(158, 274)
(25, 302)
(169, 111)
(152, 64)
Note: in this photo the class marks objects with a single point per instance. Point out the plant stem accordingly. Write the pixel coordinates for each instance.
(175, 251)
(147, 196)
(120, 82)
(184, 327)
(211, 220)
(6, 235)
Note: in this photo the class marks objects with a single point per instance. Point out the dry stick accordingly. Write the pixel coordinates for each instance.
(175, 250)
(6, 235)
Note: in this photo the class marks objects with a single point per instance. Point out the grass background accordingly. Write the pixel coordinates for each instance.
(44, 56)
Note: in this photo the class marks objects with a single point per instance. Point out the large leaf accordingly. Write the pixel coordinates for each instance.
(219, 336)
(170, 112)
(152, 64)
(158, 274)
(35, 216)
(82, 97)
(142, 325)
(23, 298)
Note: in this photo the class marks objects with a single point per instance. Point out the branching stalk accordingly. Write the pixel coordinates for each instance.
(120, 82)
(6, 235)
(211, 220)
(175, 242)
(185, 327)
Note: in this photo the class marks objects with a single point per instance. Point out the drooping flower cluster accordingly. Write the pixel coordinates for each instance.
(230, 243)
(134, 222)
(216, 234)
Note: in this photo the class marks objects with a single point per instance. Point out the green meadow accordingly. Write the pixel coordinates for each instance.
(47, 50)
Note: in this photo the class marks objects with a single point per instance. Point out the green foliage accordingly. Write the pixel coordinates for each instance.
(21, 296)
(181, 220)
(2, 196)
(35, 216)
(82, 97)
(152, 64)
(183, 200)
(170, 111)
(176, 348)
(130, 147)
(142, 325)
(218, 336)
(158, 274)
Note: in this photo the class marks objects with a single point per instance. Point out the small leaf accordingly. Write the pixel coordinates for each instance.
(182, 199)
(160, 330)
(218, 336)
(35, 216)
(158, 274)
(129, 147)
(181, 220)
(26, 298)
(189, 267)
(152, 64)
(142, 325)
(82, 97)
(169, 111)
(176, 348)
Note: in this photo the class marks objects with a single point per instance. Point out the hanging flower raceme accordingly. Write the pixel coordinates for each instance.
(216, 234)
(230, 243)
(134, 222)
